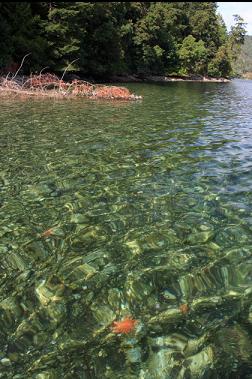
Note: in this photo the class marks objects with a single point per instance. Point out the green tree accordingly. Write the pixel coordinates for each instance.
(204, 24)
(155, 39)
(104, 38)
(63, 30)
(220, 65)
(193, 54)
(236, 36)
(6, 47)
(89, 32)
(235, 41)
(101, 50)
(22, 34)
(222, 30)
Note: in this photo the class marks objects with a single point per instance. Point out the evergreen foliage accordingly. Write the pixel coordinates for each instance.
(106, 38)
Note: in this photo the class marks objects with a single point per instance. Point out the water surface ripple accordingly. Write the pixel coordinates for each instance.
(111, 210)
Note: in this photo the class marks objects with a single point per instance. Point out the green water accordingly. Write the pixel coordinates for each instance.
(150, 204)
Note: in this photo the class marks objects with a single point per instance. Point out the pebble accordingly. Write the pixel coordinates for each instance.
(5, 362)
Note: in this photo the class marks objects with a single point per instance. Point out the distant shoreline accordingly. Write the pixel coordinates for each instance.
(247, 75)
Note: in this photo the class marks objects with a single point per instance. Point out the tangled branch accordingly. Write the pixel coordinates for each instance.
(50, 85)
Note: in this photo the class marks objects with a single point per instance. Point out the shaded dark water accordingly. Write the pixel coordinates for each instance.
(149, 209)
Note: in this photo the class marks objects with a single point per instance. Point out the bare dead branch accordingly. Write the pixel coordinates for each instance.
(20, 66)
(67, 68)
(49, 85)
(43, 70)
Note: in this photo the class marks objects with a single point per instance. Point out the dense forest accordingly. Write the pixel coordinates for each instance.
(117, 38)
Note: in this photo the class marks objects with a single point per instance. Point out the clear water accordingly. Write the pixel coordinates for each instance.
(149, 205)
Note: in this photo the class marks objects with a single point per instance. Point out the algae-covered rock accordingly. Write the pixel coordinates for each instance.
(10, 311)
(202, 364)
(103, 314)
(51, 374)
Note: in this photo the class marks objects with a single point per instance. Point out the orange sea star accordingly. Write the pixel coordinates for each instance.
(184, 308)
(125, 326)
(47, 233)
